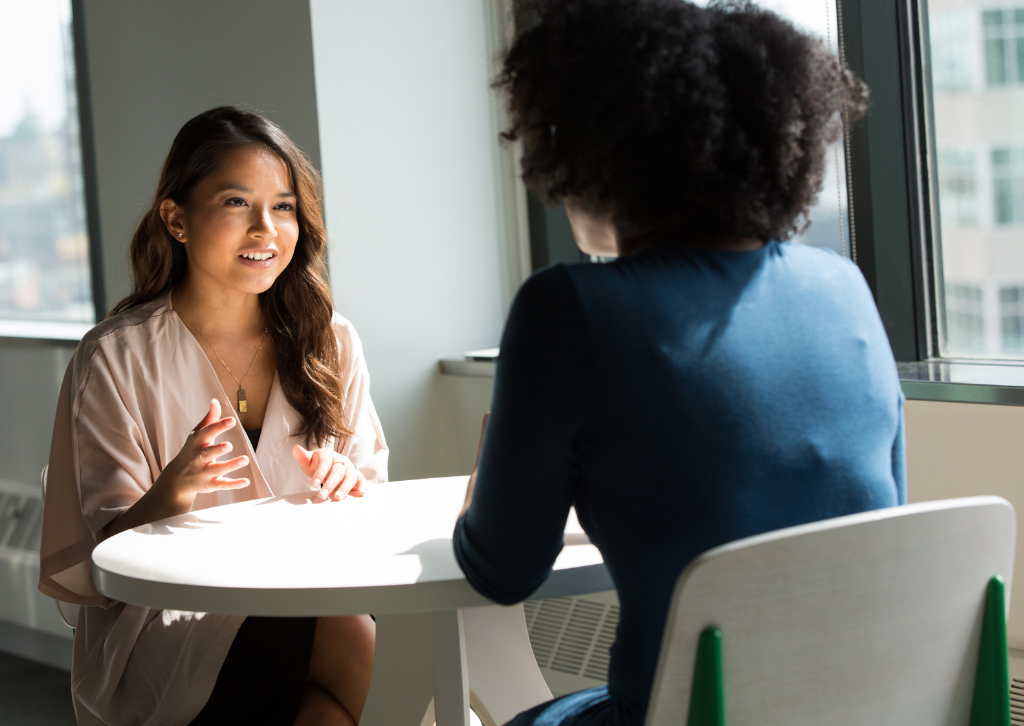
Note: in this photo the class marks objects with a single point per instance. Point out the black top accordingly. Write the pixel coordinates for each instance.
(254, 437)
(680, 399)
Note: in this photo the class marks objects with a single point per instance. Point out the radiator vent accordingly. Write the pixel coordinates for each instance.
(572, 635)
(21, 521)
(1017, 702)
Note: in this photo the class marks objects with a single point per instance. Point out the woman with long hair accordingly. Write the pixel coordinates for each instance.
(224, 375)
(714, 381)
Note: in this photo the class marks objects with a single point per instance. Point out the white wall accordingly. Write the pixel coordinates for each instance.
(415, 205)
(961, 450)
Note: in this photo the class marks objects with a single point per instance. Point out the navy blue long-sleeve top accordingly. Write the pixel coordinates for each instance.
(680, 398)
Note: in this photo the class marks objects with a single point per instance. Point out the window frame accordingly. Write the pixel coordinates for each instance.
(894, 170)
(86, 139)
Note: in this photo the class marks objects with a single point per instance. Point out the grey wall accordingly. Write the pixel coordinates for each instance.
(154, 65)
(30, 376)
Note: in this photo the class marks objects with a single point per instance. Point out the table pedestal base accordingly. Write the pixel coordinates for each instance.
(441, 663)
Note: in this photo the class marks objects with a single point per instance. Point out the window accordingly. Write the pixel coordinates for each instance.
(979, 162)
(965, 319)
(1008, 185)
(953, 49)
(958, 188)
(44, 246)
(1004, 46)
(1011, 311)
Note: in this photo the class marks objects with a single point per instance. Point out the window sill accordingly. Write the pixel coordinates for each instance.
(959, 381)
(44, 331)
(475, 364)
(995, 383)
(468, 368)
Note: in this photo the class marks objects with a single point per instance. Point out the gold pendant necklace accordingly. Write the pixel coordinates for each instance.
(243, 405)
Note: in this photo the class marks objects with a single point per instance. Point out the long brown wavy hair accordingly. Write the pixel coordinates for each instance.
(298, 306)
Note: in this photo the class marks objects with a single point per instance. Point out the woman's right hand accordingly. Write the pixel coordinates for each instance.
(196, 470)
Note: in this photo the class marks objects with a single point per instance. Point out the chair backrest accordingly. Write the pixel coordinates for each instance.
(873, 618)
(68, 611)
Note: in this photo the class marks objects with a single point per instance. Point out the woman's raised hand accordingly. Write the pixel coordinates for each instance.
(196, 470)
(336, 476)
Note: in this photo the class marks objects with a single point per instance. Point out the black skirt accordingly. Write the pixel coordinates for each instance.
(263, 676)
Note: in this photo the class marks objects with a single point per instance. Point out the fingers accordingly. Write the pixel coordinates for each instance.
(322, 462)
(305, 459)
(209, 433)
(212, 415)
(342, 479)
(224, 483)
(219, 468)
(332, 481)
(210, 453)
(351, 481)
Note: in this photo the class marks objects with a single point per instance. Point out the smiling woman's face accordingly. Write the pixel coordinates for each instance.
(241, 226)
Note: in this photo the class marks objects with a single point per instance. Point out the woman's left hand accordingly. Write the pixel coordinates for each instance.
(336, 476)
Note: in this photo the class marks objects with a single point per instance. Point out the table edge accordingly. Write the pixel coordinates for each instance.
(402, 599)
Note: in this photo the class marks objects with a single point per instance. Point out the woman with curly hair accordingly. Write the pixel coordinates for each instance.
(229, 312)
(713, 382)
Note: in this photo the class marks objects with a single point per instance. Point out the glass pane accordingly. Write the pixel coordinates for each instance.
(1011, 311)
(958, 185)
(979, 140)
(992, 19)
(953, 53)
(44, 247)
(965, 318)
(995, 61)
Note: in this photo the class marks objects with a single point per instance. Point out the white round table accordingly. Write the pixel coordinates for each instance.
(388, 553)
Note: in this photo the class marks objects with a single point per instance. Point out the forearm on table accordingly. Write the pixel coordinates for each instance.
(157, 503)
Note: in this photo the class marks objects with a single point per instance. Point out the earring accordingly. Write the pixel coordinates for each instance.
(179, 235)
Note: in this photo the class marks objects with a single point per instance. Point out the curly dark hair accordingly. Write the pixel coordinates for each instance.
(673, 120)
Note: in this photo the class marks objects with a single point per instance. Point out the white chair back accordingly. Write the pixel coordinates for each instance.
(68, 611)
(873, 618)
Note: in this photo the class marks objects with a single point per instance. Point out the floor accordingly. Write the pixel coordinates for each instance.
(33, 694)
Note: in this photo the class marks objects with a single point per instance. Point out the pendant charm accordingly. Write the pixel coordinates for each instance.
(242, 405)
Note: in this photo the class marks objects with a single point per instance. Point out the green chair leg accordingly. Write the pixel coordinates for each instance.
(991, 704)
(707, 696)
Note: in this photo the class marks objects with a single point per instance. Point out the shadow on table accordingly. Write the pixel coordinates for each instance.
(299, 498)
(182, 521)
(437, 558)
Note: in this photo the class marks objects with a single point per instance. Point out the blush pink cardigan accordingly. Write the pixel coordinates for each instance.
(137, 385)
